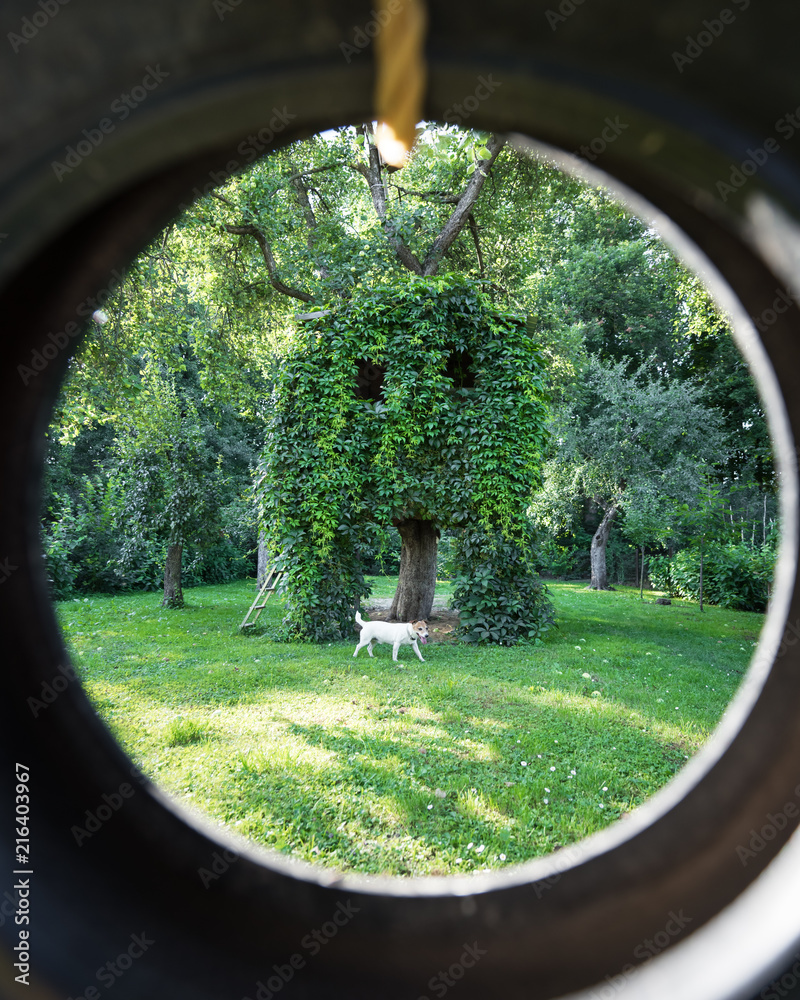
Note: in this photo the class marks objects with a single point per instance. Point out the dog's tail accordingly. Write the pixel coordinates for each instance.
(359, 619)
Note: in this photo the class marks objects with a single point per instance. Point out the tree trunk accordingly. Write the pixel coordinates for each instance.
(701, 574)
(173, 591)
(413, 599)
(263, 561)
(641, 586)
(599, 579)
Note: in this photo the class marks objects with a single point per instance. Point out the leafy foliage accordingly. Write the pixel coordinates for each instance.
(499, 596)
(630, 441)
(453, 434)
(734, 576)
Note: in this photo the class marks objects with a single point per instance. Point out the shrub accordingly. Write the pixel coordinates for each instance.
(734, 576)
(499, 596)
(561, 561)
(658, 569)
(81, 538)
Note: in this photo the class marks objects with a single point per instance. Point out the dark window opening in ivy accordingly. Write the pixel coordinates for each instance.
(460, 370)
(369, 381)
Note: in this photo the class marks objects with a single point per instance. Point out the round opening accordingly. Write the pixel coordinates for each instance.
(143, 906)
(492, 755)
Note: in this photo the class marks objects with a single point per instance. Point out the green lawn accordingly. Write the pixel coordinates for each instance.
(478, 758)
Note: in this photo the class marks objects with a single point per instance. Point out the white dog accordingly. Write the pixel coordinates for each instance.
(396, 633)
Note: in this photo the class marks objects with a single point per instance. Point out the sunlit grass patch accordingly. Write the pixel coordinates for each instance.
(478, 758)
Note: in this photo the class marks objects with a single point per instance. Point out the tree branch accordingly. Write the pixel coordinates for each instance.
(443, 197)
(473, 228)
(298, 182)
(269, 260)
(457, 220)
(371, 172)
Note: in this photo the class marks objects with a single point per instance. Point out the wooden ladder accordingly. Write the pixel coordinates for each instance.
(270, 585)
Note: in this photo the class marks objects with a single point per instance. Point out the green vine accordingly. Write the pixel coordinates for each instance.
(421, 400)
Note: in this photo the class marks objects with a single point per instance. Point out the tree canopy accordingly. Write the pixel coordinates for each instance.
(210, 311)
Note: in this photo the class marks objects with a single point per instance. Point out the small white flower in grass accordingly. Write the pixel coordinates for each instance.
(547, 789)
(459, 860)
(577, 647)
(552, 769)
(587, 676)
(470, 845)
(430, 806)
(546, 801)
(502, 857)
(481, 849)
(573, 771)
(602, 806)
(539, 756)
(524, 763)
(605, 788)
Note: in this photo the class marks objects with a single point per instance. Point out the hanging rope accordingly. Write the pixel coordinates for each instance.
(400, 77)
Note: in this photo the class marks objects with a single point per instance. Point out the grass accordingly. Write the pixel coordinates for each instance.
(477, 758)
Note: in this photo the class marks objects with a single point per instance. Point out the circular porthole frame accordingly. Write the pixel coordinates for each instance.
(201, 916)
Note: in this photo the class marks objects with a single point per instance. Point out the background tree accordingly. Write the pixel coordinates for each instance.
(160, 422)
(622, 436)
(173, 489)
(703, 519)
(648, 520)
